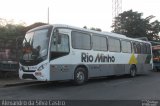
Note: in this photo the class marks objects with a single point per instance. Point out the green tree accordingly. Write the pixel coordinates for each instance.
(10, 30)
(34, 25)
(96, 29)
(133, 25)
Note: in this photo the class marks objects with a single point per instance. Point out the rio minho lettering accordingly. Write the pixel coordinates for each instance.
(86, 57)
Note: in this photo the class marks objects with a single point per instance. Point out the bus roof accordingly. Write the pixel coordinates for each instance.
(91, 31)
(40, 27)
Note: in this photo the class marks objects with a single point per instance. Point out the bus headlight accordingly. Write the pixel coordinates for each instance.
(42, 67)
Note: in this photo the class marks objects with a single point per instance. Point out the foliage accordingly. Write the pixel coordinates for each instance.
(133, 25)
(96, 29)
(93, 28)
(10, 30)
(34, 25)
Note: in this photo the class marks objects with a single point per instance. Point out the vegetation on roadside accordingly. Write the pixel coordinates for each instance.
(132, 24)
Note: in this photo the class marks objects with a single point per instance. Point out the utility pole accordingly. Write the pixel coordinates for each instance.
(48, 15)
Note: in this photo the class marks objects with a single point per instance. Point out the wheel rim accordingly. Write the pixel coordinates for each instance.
(80, 76)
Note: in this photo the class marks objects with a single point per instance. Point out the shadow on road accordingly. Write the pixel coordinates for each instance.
(65, 84)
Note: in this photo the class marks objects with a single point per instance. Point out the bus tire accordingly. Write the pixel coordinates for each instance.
(133, 71)
(80, 76)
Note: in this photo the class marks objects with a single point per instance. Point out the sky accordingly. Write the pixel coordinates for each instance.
(79, 13)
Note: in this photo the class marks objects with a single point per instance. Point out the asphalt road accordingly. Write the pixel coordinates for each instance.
(141, 87)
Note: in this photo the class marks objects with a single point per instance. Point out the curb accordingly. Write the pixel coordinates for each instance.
(21, 83)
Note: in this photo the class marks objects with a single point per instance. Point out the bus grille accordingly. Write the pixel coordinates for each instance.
(28, 76)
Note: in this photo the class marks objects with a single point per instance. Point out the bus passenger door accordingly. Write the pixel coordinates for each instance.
(59, 54)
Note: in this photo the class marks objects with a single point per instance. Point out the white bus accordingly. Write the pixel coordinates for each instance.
(62, 52)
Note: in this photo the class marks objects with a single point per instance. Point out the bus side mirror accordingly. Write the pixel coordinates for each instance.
(57, 36)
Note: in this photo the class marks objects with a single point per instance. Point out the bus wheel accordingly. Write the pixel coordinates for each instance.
(133, 71)
(80, 76)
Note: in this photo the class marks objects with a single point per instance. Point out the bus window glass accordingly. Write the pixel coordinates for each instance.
(143, 48)
(59, 49)
(135, 47)
(114, 45)
(126, 46)
(41, 41)
(63, 46)
(138, 48)
(148, 49)
(99, 43)
(81, 40)
(37, 43)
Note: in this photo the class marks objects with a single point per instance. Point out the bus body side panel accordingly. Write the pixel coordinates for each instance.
(96, 70)
(143, 65)
(119, 69)
(61, 72)
(147, 68)
(142, 62)
(61, 69)
(108, 69)
(127, 68)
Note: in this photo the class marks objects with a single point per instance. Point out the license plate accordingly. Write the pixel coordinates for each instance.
(32, 68)
(29, 68)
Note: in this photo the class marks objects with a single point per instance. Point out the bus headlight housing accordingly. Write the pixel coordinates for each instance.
(42, 67)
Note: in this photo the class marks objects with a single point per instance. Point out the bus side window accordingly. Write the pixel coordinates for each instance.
(126, 46)
(99, 43)
(81, 40)
(143, 48)
(148, 49)
(135, 48)
(114, 45)
(59, 49)
(138, 48)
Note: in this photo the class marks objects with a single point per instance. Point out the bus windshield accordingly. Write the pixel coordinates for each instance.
(35, 46)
